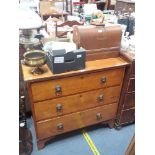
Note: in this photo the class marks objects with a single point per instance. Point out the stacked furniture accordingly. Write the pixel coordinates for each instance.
(126, 110)
(76, 99)
(102, 93)
(125, 6)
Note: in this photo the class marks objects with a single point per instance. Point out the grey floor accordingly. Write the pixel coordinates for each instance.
(107, 141)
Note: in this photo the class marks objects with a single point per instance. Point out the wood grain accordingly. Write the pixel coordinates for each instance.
(91, 66)
(47, 109)
(76, 84)
(101, 54)
(75, 121)
(129, 101)
(77, 99)
(27, 75)
(125, 113)
(128, 116)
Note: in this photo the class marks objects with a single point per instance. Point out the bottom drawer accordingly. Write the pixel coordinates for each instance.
(128, 116)
(59, 125)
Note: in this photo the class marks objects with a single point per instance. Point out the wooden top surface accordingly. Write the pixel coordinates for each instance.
(90, 66)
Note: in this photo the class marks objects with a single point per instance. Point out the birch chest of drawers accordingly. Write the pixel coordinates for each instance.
(65, 102)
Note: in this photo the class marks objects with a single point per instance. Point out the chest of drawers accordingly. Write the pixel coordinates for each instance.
(126, 110)
(65, 102)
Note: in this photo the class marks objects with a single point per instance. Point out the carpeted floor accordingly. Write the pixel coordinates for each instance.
(107, 141)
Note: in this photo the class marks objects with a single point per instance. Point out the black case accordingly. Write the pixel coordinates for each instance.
(59, 61)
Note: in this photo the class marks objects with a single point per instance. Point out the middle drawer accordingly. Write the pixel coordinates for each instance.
(65, 105)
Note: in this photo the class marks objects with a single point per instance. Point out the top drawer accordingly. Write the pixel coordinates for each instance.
(76, 84)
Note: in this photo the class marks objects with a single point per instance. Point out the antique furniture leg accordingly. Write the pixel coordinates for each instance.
(41, 143)
(111, 123)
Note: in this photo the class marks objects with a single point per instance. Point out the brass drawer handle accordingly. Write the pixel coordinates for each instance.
(98, 116)
(100, 98)
(58, 107)
(60, 126)
(103, 79)
(58, 89)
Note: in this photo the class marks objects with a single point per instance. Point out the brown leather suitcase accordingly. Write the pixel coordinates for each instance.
(101, 38)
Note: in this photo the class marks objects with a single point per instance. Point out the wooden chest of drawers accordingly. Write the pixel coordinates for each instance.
(126, 110)
(125, 6)
(73, 100)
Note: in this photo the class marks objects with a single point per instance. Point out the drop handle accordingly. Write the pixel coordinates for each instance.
(103, 79)
(100, 98)
(98, 116)
(58, 89)
(58, 107)
(60, 126)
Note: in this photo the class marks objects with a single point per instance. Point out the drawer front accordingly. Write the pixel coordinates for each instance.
(65, 105)
(76, 84)
(131, 85)
(74, 121)
(129, 101)
(128, 116)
